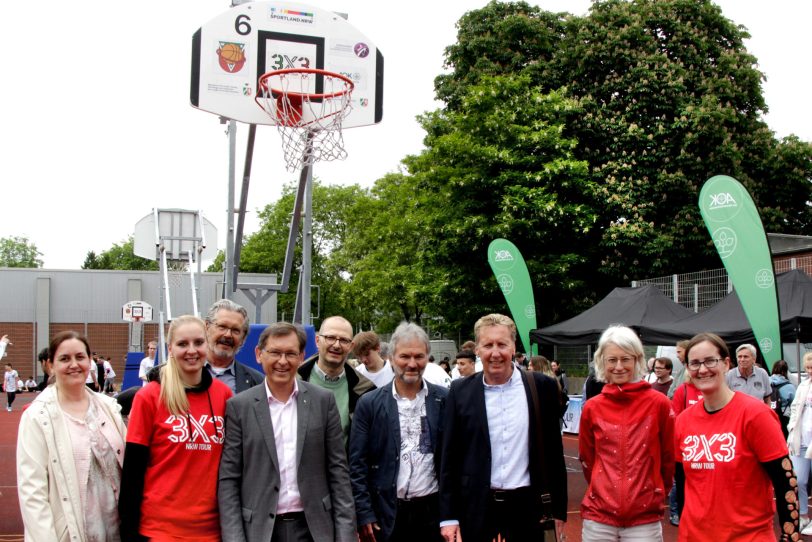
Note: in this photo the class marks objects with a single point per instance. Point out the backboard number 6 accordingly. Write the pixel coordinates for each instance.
(241, 24)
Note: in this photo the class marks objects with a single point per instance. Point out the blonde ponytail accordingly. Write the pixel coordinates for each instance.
(173, 391)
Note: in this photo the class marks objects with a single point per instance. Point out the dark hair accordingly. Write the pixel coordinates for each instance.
(781, 368)
(669, 365)
(712, 338)
(283, 329)
(468, 354)
(63, 336)
(43, 355)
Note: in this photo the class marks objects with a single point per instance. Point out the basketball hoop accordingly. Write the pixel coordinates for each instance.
(308, 106)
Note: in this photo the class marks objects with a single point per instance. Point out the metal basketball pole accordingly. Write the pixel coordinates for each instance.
(232, 157)
(302, 310)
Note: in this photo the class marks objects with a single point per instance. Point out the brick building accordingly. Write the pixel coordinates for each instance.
(36, 304)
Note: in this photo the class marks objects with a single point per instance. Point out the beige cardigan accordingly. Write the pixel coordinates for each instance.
(47, 484)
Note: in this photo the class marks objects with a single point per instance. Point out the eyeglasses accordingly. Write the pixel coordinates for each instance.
(332, 339)
(709, 363)
(275, 355)
(235, 331)
(623, 361)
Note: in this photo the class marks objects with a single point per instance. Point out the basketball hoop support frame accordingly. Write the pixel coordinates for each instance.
(304, 198)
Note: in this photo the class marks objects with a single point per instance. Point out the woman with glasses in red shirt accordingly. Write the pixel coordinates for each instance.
(734, 458)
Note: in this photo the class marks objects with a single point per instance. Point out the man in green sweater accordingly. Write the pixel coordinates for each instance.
(329, 370)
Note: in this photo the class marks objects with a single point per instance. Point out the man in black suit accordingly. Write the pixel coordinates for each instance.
(492, 472)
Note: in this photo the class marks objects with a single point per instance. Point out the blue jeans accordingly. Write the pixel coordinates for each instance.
(801, 465)
(672, 501)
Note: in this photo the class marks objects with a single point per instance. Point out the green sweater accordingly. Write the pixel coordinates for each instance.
(341, 392)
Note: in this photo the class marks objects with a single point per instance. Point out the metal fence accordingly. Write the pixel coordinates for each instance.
(698, 291)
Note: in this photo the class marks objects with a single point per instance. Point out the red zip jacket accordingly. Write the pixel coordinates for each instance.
(626, 447)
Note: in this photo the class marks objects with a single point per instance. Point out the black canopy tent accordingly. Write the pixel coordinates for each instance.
(727, 319)
(628, 306)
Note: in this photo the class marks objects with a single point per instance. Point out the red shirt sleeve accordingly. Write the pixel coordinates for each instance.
(765, 436)
(678, 401)
(142, 414)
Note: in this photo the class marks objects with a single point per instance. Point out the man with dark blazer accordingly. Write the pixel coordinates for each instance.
(283, 471)
(395, 448)
(492, 472)
(226, 330)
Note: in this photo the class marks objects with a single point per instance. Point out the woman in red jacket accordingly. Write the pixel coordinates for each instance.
(625, 445)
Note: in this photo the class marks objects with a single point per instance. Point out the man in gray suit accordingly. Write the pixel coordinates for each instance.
(283, 471)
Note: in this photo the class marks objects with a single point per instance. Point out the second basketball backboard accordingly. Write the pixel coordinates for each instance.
(231, 52)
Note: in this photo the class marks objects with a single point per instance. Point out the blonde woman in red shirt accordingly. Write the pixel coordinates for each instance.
(174, 442)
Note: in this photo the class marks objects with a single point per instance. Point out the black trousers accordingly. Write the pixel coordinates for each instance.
(291, 527)
(417, 520)
(513, 515)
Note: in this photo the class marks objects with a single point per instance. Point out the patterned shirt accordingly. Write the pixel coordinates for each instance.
(416, 476)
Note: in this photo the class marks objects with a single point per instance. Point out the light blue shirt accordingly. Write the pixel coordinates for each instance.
(226, 375)
(509, 430)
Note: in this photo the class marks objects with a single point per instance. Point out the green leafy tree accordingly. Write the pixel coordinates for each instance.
(18, 251)
(264, 251)
(671, 97)
(384, 255)
(119, 256)
(667, 96)
(501, 166)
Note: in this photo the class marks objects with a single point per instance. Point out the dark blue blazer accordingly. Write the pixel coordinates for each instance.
(375, 453)
(465, 470)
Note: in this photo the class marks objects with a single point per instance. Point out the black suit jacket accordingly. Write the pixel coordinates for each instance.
(246, 377)
(465, 464)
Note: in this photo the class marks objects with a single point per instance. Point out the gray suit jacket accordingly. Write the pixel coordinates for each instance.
(248, 488)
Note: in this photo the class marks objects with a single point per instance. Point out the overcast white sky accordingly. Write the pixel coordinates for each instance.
(99, 130)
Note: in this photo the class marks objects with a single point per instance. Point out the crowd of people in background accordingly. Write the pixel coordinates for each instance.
(376, 441)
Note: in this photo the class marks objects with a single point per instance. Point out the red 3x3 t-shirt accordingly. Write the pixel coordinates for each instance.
(180, 484)
(728, 495)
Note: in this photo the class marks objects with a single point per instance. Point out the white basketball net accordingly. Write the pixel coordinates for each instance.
(310, 130)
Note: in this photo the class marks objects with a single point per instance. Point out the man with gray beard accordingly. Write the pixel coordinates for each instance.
(226, 330)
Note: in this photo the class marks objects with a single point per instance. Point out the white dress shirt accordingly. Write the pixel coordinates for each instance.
(509, 430)
(284, 418)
